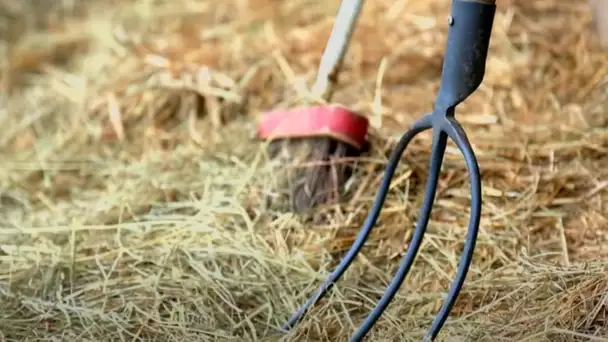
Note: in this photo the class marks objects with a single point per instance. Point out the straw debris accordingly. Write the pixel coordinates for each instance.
(132, 193)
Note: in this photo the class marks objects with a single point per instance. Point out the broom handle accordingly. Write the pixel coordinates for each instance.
(336, 48)
(599, 9)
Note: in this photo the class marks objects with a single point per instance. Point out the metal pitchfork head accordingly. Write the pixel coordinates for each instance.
(469, 31)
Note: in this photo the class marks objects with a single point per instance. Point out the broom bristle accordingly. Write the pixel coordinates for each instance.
(310, 172)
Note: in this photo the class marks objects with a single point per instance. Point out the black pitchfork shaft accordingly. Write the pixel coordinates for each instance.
(470, 27)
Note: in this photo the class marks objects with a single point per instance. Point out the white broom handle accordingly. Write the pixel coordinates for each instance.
(336, 48)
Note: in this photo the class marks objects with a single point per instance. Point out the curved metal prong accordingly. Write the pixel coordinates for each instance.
(437, 152)
(425, 123)
(453, 129)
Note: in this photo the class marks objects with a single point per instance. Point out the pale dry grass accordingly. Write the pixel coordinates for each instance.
(131, 190)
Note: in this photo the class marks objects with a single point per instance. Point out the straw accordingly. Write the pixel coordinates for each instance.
(160, 232)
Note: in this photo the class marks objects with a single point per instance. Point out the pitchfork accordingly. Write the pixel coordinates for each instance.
(469, 31)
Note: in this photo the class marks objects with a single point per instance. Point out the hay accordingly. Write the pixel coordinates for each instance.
(131, 192)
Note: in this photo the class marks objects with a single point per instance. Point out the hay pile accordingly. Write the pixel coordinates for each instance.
(131, 192)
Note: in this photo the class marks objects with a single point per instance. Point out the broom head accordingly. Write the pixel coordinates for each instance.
(316, 140)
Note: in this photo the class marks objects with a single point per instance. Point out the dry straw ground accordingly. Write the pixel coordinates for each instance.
(131, 191)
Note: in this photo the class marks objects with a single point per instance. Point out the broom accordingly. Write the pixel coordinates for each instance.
(318, 138)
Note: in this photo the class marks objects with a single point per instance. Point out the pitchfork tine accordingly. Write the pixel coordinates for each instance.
(463, 71)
